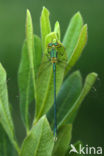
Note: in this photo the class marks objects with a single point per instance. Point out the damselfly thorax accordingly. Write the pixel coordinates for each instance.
(52, 47)
(53, 55)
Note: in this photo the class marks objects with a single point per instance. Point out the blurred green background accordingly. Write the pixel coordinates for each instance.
(88, 126)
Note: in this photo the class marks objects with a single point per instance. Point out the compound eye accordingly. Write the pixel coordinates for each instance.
(56, 44)
(50, 45)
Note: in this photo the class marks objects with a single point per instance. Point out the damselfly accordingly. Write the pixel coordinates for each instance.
(54, 55)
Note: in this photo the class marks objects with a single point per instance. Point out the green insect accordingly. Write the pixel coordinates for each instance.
(55, 55)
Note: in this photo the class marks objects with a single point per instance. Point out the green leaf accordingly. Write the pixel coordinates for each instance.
(45, 25)
(40, 140)
(89, 81)
(26, 89)
(72, 34)
(63, 140)
(38, 53)
(30, 45)
(78, 49)
(45, 90)
(67, 96)
(5, 115)
(57, 30)
(6, 148)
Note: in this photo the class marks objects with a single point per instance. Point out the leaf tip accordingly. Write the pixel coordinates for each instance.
(91, 77)
(94, 74)
(57, 22)
(28, 13)
(85, 27)
(78, 74)
(2, 70)
(45, 10)
(28, 17)
(78, 16)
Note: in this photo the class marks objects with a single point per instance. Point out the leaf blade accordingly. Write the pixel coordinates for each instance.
(30, 45)
(25, 84)
(45, 25)
(40, 140)
(89, 81)
(5, 115)
(57, 30)
(78, 48)
(72, 33)
(6, 148)
(63, 140)
(68, 94)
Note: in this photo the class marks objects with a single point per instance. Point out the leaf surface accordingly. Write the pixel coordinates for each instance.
(89, 81)
(78, 49)
(40, 140)
(67, 96)
(63, 140)
(5, 115)
(25, 82)
(57, 30)
(6, 148)
(45, 25)
(72, 33)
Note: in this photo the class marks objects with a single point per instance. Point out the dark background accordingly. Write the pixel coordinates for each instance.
(89, 125)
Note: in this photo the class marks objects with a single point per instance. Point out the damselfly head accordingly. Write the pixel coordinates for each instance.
(54, 43)
(50, 44)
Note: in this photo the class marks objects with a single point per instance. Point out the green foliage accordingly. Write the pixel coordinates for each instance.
(72, 34)
(39, 141)
(67, 96)
(57, 30)
(26, 88)
(78, 48)
(62, 143)
(5, 115)
(6, 148)
(35, 80)
(45, 26)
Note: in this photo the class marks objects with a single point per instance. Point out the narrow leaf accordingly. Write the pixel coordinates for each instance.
(67, 96)
(26, 89)
(89, 81)
(40, 140)
(63, 140)
(45, 25)
(30, 45)
(5, 115)
(38, 53)
(72, 34)
(78, 49)
(57, 30)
